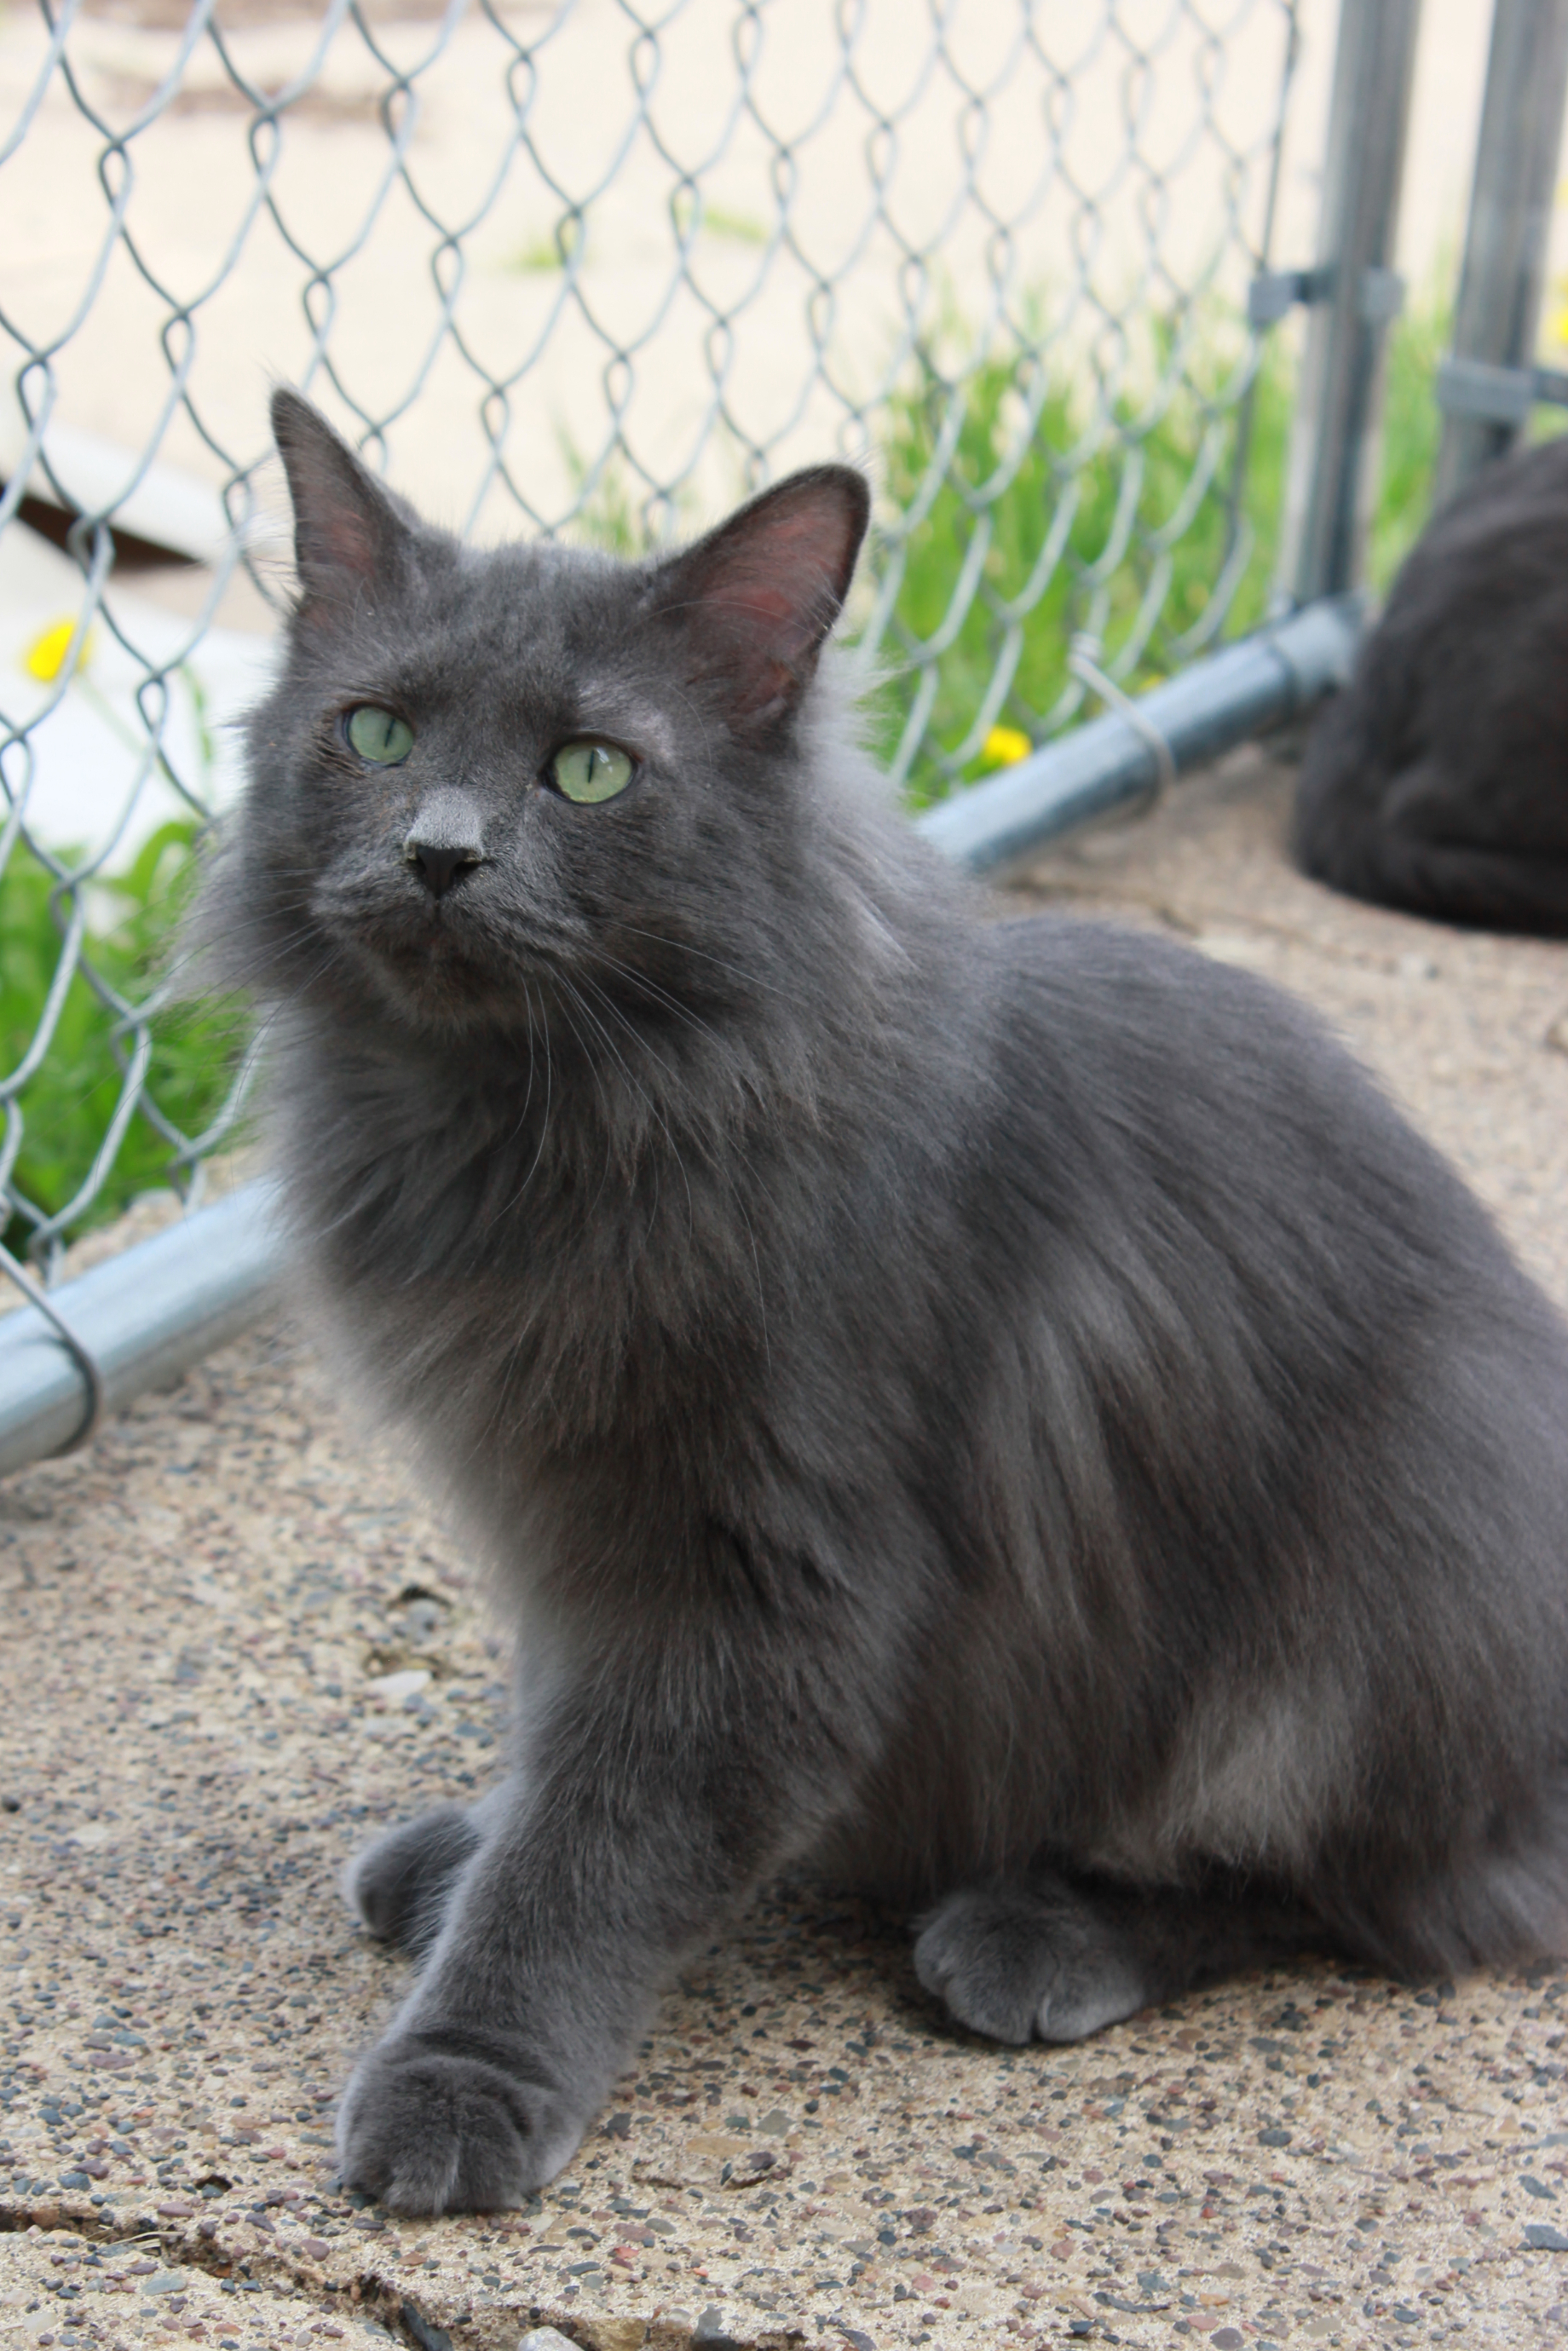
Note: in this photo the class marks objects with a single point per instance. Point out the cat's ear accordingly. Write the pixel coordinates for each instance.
(754, 599)
(351, 533)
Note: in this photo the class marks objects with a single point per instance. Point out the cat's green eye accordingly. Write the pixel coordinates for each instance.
(380, 736)
(591, 771)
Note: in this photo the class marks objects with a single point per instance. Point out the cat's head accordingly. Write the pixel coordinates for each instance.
(487, 773)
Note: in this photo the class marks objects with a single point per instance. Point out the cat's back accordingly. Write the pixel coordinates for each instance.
(1159, 1108)
(1243, 1319)
(1476, 621)
(1500, 537)
(1438, 780)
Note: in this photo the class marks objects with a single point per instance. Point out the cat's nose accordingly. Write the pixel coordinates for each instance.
(444, 840)
(439, 863)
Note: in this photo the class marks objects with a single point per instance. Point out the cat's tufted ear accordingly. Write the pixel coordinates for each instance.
(351, 533)
(754, 599)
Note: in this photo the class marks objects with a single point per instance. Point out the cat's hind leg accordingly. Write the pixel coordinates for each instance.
(400, 1884)
(1037, 1957)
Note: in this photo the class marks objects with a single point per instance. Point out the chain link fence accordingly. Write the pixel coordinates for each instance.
(591, 269)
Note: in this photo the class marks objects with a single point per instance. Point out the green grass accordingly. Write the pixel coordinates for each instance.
(68, 1102)
(1151, 441)
(716, 220)
(568, 241)
(564, 244)
(1147, 474)
(611, 516)
(1412, 428)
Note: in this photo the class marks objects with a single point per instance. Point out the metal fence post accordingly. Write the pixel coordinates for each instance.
(1487, 386)
(1353, 293)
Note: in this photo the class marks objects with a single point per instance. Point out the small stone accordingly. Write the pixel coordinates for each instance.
(1544, 2239)
(546, 2338)
(1274, 2138)
(396, 1688)
(1234, 946)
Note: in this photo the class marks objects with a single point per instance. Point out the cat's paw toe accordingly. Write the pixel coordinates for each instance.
(1019, 1961)
(425, 2131)
(399, 1884)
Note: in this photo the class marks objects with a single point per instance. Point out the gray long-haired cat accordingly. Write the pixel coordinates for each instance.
(1439, 781)
(1004, 1411)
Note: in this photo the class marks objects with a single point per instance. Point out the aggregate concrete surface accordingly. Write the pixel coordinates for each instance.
(236, 1643)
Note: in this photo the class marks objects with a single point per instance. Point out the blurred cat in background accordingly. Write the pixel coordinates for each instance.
(1439, 781)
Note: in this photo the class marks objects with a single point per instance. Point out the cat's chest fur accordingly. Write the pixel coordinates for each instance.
(487, 1224)
(551, 1309)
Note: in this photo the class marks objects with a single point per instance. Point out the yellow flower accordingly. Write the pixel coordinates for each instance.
(1004, 747)
(46, 656)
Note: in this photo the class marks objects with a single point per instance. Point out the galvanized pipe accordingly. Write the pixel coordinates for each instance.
(1261, 680)
(1333, 444)
(148, 1315)
(144, 1317)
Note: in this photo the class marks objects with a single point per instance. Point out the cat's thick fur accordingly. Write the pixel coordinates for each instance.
(1439, 781)
(1007, 1412)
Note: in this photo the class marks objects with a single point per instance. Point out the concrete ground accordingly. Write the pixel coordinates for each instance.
(235, 1644)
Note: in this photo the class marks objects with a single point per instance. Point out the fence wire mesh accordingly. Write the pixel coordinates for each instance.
(582, 268)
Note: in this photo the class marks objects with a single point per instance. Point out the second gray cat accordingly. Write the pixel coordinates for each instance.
(1006, 1412)
(1437, 781)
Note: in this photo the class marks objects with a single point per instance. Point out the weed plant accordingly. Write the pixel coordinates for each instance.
(1118, 484)
(67, 1103)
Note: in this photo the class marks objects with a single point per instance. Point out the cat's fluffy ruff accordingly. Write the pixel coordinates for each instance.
(1006, 1410)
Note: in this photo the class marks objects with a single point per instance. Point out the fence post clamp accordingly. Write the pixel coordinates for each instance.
(1501, 395)
(1275, 291)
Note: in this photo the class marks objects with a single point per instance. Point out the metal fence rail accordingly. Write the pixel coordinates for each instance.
(587, 267)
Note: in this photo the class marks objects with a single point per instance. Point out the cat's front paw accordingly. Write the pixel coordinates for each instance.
(427, 2130)
(401, 1884)
(1026, 1958)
